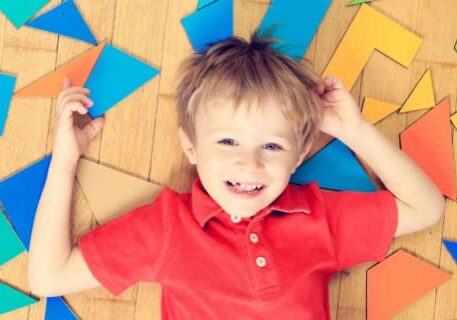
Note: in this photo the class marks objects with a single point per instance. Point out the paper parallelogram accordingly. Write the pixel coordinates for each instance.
(375, 110)
(452, 248)
(210, 23)
(10, 244)
(7, 84)
(12, 299)
(19, 11)
(78, 70)
(422, 96)
(115, 76)
(370, 30)
(428, 142)
(111, 193)
(334, 167)
(294, 24)
(357, 2)
(66, 20)
(397, 282)
(57, 309)
(20, 194)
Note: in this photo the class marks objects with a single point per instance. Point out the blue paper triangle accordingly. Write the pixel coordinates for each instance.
(66, 20)
(294, 23)
(452, 248)
(211, 23)
(7, 84)
(20, 194)
(57, 309)
(334, 167)
(115, 76)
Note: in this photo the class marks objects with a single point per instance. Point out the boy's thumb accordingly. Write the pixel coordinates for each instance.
(94, 127)
(66, 83)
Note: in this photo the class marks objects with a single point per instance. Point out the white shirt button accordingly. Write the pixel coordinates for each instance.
(235, 219)
(253, 237)
(260, 262)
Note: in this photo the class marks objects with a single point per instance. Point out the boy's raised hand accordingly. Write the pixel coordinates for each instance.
(341, 112)
(70, 141)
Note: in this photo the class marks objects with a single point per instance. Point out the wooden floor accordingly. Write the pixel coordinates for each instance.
(140, 135)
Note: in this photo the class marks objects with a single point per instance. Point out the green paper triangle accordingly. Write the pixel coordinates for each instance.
(12, 299)
(10, 244)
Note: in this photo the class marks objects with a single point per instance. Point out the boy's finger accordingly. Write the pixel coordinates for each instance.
(66, 83)
(71, 107)
(77, 97)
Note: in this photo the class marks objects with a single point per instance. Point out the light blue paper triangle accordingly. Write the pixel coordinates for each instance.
(115, 76)
(7, 84)
(20, 194)
(66, 20)
(452, 248)
(334, 167)
(57, 309)
(293, 23)
(203, 3)
(209, 24)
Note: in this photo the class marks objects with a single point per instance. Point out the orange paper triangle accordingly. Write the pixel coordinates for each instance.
(78, 70)
(428, 142)
(375, 110)
(422, 97)
(111, 193)
(398, 281)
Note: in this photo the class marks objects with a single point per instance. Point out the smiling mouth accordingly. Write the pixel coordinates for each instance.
(244, 188)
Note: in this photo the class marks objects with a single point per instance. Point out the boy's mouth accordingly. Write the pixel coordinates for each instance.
(244, 187)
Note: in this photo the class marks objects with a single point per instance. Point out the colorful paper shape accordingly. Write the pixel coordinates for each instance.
(209, 24)
(19, 11)
(57, 309)
(294, 24)
(111, 193)
(422, 97)
(452, 248)
(12, 299)
(428, 142)
(7, 84)
(334, 167)
(357, 2)
(397, 282)
(10, 244)
(454, 120)
(203, 3)
(66, 20)
(368, 31)
(20, 194)
(375, 110)
(115, 76)
(78, 70)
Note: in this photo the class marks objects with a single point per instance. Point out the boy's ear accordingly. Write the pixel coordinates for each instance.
(187, 146)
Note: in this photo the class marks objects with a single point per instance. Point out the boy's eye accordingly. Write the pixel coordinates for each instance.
(227, 141)
(272, 146)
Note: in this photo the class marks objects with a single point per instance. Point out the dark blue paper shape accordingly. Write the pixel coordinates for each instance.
(57, 309)
(66, 20)
(20, 194)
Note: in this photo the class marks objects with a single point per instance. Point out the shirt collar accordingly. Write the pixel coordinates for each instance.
(292, 199)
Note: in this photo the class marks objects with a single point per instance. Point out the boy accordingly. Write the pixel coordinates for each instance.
(244, 244)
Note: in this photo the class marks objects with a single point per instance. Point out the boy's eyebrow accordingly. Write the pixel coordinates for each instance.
(223, 132)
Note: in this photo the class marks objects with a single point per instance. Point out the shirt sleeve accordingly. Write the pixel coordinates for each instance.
(362, 224)
(130, 248)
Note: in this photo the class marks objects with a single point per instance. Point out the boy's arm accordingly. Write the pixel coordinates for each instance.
(419, 202)
(55, 268)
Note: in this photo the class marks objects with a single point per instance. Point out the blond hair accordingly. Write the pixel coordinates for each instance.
(242, 70)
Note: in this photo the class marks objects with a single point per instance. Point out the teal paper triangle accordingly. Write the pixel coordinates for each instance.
(12, 299)
(10, 244)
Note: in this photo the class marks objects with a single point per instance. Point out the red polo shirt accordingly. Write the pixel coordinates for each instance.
(275, 265)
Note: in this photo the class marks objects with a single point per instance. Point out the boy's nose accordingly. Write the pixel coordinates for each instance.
(249, 161)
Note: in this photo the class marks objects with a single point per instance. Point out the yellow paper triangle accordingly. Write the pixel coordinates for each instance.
(454, 120)
(375, 110)
(111, 193)
(422, 97)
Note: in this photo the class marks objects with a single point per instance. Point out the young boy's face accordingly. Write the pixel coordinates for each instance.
(254, 148)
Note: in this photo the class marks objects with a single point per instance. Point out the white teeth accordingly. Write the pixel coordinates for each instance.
(245, 187)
